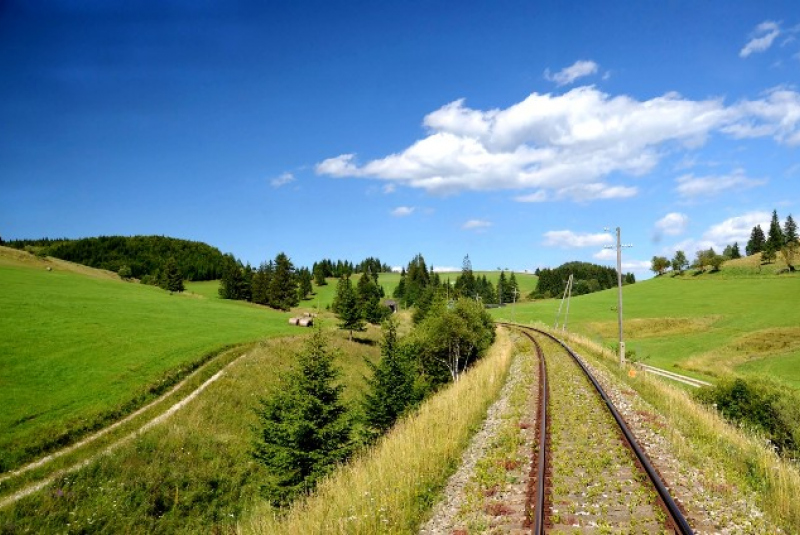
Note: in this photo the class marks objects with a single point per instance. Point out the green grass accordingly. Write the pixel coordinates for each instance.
(712, 310)
(78, 350)
(192, 474)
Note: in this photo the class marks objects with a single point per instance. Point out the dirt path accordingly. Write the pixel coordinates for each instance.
(34, 487)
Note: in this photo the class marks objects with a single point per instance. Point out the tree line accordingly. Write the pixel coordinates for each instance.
(779, 240)
(326, 268)
(420, 286)
(279, 284)
(586, 278)
(139, 257)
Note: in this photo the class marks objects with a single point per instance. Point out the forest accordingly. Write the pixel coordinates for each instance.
(138, 257)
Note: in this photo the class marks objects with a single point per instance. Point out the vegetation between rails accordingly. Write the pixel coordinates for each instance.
(377, 494)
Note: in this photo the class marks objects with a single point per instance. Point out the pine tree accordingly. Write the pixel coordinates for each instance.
(756, 242)
(319, 274)
(390, 390)
(791, 246)
(347, 306)
(304, 428)
(260, 285)
(465, 282)
(283, 285)
(501, 288)
(775, 239)
(399, 292)
(231, 285)
(172, 278)
(304, 287)
(735, 252)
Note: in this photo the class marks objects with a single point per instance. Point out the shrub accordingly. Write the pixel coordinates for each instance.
(761, 405)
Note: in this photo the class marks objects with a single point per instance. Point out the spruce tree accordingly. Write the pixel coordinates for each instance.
(347, 306)
(791, 246)
(501, 289)
(756, 242)
(283, 285)
(735, 252)
(790, 230)
(172, 278)
(304, 429)
(260, 284)
(390, 390)
(775, 239)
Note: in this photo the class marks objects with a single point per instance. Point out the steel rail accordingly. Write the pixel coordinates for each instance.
(677, 519)
(542, 457)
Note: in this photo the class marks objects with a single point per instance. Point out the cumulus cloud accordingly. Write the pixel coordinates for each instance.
(476, 224)
(672, 224)
(566, 239)
(568, 75)
(762, 38)
(282, 180)
(690, 186)
(402, 211)
(567, 146)
(720, 235)
(736, 229)
(605, 254)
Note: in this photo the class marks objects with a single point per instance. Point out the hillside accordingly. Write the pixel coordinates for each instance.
(145, 256)
(80, 346)
(732, 320)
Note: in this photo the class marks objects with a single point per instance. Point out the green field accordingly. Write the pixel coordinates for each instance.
(706, 323)
(76, 349)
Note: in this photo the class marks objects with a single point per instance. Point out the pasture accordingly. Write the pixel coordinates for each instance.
(81, 347)
(705, 324)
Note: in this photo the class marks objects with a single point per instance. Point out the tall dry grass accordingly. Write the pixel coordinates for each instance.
(391, 488)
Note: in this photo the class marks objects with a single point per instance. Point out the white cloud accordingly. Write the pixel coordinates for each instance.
(736, 229)
(605, 254)
(672, 224)
(720, 235)
(389, 188)
(537, 196)
(568, 75)
(402, 211)
(636, 265)
(566, 239)
(692, 186)
(553, 147)
(476, 224)
(763, 36)
(282, 180)
(776, 115)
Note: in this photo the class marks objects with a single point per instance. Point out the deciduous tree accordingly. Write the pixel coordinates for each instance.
(659, 265)
(679, 262)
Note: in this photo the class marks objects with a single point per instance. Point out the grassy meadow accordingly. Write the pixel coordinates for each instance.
(194, 473)
(80, 347)
(704, 324)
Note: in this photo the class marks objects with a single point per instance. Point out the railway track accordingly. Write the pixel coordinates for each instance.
(591, 475)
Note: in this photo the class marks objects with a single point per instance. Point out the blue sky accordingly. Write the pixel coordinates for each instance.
(514, 132)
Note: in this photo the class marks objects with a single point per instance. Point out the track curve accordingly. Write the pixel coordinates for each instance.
(675, 518)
